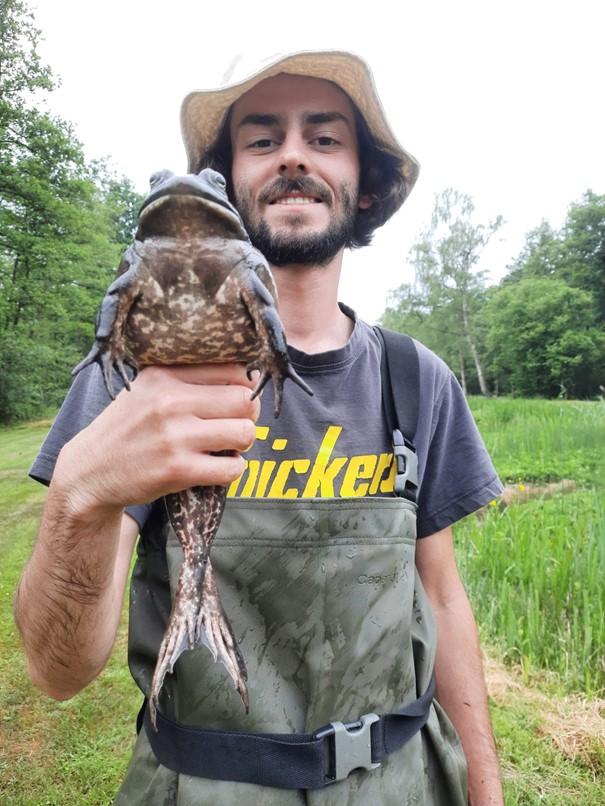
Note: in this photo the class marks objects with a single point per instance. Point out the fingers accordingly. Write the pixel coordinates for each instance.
(206, 374)
(163, 434)
(208, 391)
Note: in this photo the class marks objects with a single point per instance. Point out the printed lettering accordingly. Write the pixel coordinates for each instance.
(277, 490)
(385, 461)
(323, 472)
(253, 468)
(360, 467)
(265, 474)
(388, 485)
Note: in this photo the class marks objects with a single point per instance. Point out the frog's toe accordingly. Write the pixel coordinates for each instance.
(216, 632)
(253, 366)
(294, 376)
(265, 376)
(179, 636)
(92, 356)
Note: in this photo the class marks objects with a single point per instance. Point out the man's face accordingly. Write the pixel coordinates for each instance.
(296, 168)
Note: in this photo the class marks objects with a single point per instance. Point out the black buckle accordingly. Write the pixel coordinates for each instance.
(352, 746)
(406, 466)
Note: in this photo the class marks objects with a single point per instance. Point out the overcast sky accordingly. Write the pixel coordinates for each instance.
(501, 100)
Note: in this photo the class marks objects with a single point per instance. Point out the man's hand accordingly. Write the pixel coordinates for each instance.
(158, 438)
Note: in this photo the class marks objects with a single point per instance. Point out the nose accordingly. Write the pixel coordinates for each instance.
(292, 158)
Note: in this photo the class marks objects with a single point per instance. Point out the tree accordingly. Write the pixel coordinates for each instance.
(63, 225)
(540, 342)
(575, 254)
(448, 288)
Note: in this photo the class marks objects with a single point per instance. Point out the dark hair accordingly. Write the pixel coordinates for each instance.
(380, 176)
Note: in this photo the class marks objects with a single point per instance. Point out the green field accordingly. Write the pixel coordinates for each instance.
(534, 571)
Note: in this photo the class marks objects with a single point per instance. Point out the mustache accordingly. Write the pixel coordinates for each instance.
(282, 185)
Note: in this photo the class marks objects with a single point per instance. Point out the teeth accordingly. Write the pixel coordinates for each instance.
(295, 200)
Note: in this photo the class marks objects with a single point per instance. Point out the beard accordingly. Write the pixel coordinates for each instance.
(292, 246)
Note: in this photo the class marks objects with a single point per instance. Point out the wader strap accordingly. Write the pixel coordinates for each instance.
(287, 760)
(400, 379)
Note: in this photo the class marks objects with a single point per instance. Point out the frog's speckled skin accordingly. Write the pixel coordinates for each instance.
(193, 289)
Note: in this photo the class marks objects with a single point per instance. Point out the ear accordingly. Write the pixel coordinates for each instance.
(366, 200)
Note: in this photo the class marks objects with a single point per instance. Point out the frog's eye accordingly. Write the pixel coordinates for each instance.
(158, 177)
(220, 180)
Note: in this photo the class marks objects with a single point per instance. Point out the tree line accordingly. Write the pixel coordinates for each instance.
(63, 225)
(540, 331)
(64, 222)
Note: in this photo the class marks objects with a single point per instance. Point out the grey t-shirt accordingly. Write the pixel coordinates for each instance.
(336, 443)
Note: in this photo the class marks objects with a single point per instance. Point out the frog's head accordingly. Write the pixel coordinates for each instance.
(195, 203)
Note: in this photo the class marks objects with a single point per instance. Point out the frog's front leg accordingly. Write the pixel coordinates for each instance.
(273, 361)
(108, 348)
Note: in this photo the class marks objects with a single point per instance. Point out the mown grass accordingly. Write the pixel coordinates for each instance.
(51, 753)
(533, 571)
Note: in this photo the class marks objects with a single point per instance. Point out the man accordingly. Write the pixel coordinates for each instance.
(315, 557)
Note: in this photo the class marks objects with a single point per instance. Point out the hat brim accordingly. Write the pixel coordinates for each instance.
(203, 111)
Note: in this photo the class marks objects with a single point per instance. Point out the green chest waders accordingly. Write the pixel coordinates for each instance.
(334, 624)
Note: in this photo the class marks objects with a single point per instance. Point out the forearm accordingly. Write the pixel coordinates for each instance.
(461, 691)
(178, 427)
(69, 599)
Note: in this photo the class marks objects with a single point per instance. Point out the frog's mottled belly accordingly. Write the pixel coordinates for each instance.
(194, 312)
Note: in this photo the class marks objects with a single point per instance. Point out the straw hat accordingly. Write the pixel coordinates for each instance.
(203, 111)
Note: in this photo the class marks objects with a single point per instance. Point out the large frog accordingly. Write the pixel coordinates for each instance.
(193, 289)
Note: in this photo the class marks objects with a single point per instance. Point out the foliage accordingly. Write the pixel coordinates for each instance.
(540, 332)
(448, 290)
(575, 255)
(63, 225)
(540, 340)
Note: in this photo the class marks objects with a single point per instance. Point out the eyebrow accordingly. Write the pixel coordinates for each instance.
(313, 118)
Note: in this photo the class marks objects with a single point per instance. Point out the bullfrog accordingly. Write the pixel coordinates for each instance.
(193, 289)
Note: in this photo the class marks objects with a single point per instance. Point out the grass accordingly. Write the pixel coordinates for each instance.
(543, 440)
(51, 753)
(533, 571)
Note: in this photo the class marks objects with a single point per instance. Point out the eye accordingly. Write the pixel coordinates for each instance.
(264, 142)
(325, 140)
(220, 180)
(159, 176)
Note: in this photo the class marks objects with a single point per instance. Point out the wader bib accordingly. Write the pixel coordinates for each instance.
(333, 622)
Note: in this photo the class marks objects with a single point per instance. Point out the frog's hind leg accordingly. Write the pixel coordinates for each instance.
(197, 617)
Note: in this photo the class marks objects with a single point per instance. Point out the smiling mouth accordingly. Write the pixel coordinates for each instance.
(296, 200)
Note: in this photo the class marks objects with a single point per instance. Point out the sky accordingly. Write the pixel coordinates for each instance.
(500, 100)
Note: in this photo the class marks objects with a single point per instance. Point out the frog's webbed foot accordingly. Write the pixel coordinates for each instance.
(198, 619)
(182, 632)
(277, 371)
(108, 349)
(215, 631)
(273, 361)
